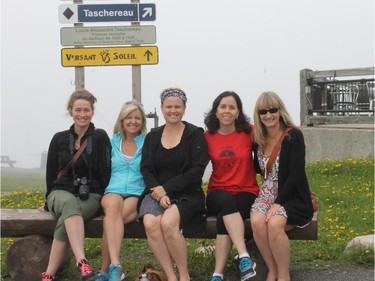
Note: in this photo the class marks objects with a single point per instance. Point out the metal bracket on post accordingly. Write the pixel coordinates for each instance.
(155, 116)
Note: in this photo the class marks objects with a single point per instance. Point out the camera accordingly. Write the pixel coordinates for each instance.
(84, 188)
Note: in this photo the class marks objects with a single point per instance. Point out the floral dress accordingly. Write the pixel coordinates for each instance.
(269, 190)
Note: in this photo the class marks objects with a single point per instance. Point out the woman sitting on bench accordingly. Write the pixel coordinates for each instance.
(284, 198)
(78, 171)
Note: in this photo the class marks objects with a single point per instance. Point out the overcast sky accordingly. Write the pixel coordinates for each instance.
(205, 47)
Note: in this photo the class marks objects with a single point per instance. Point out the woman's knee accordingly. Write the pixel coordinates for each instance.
(170, 222)
(276, 226)
(151, 224)
(169, 226)
(257, 221)
(111, 206)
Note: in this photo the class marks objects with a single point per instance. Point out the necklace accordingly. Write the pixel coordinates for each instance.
(77, 144)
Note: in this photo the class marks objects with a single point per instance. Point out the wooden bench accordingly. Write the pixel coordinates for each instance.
(37, 228)
(5, 159)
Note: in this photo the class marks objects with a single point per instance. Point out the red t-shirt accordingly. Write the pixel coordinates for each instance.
(232, 162)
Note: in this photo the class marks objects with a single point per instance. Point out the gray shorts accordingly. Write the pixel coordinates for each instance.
(150, 206)
(63, 204)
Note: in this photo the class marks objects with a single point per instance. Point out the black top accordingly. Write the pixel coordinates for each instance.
(179, 170)
(293, 187)
(96, 157)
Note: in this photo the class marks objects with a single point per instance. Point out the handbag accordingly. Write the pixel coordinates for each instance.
(314, 201)
(152, 274)
(272, 159)
(71, 162)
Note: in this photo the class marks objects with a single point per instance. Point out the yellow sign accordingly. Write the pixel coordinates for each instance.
(109, 56)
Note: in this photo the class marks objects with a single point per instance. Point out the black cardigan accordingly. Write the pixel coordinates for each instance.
(185, 188)
(196, 159)
(293, 187)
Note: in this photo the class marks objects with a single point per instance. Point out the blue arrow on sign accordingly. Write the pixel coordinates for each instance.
(107, 12)
(147, 12)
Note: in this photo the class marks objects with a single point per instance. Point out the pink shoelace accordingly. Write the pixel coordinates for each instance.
(85, 268)
(46, 277)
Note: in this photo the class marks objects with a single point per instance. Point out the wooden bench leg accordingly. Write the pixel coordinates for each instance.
(28, 257)
(261, 268)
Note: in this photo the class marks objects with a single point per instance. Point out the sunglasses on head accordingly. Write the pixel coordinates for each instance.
(265, 111)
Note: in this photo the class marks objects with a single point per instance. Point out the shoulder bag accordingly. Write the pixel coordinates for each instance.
(272, 159)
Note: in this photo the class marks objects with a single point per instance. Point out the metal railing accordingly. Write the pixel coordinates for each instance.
(337, 96)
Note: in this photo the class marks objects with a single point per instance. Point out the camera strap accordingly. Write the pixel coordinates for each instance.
(74, 159)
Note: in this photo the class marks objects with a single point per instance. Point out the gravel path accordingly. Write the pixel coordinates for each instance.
(351, 273)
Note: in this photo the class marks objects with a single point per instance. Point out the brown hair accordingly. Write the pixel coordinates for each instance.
(81, 94)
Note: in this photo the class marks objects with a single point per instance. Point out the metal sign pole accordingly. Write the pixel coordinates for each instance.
(79, 70)
(136, 71)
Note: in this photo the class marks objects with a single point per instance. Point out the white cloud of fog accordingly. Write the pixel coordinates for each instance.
(205, 47)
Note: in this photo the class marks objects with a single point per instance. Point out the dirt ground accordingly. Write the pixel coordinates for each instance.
(352, 273)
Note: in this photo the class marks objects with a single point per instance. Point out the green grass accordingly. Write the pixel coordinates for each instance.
(345, 193)
(14, 179)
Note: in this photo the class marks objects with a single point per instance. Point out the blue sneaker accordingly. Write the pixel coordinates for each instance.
(115, 272)
(102, 276)
(247, 268)
(216, 278)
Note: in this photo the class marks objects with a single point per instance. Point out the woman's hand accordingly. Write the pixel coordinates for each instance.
(165, 202)
(158, 192)
(271, 212)
(42, 209)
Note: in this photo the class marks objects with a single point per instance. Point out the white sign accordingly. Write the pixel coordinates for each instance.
(108, 35)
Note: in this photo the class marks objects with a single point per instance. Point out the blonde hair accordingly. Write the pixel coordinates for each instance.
(126, 109)
(269, 100)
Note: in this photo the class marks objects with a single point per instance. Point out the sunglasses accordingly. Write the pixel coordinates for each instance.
(265, 111)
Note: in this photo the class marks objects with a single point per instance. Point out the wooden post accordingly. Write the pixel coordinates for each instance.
(79, 70)
(136, 72)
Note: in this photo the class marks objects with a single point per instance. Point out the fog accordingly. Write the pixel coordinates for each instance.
(205, 48)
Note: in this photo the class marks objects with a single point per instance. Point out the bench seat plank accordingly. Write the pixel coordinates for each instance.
(23, 222)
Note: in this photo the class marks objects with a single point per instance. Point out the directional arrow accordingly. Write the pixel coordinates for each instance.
(147, 12)
(148, 54)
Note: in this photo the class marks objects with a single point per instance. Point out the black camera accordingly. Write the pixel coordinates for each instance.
(84, 188)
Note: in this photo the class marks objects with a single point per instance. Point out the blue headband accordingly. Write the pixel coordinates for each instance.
(173, 93)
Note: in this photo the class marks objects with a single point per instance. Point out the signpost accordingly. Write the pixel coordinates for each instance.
(106, 13)
(109, 56)
(80, 36)
(108, 35)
